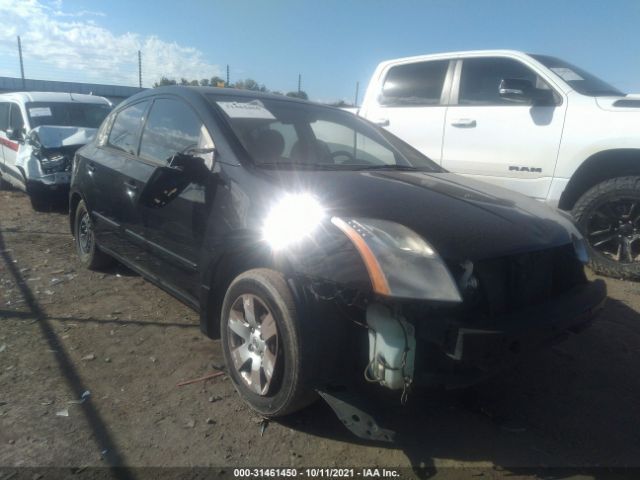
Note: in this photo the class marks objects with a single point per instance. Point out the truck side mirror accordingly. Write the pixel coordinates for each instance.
(516, 90)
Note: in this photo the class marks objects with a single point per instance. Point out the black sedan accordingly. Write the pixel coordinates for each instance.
(326, 253)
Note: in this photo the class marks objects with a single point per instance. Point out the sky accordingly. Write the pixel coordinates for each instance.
(332, 43)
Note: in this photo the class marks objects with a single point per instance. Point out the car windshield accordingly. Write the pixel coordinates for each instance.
(67, 114)
(287, 135)
(581, 81)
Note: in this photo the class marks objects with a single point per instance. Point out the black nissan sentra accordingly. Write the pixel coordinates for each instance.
(327, 254)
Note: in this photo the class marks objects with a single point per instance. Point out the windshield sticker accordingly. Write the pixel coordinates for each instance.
(40, 112)
(254, 109)
(567, 74)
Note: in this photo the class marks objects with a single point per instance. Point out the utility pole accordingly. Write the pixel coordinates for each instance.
(357, 91)
(299, 83)
(139, 69)
(21, 63)
(227, 76)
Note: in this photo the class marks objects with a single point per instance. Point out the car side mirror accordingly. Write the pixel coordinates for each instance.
(15, 135)
(169, 181)
(516, 90)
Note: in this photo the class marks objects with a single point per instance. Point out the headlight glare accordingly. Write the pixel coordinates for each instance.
(291, 220)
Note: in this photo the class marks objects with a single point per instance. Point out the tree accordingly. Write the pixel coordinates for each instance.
(204, 82)
(341, 103)
(164, 81)
(217, 82)
(301, 94)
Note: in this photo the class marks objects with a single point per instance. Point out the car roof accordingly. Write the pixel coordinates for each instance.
(53, 97)
(189, 91)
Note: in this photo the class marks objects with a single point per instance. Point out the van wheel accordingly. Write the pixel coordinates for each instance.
(90, 255)
(261, 338)
(609, 217)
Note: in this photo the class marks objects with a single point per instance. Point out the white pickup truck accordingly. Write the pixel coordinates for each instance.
(531, 123)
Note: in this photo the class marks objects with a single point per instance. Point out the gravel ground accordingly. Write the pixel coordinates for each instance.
(65, 331)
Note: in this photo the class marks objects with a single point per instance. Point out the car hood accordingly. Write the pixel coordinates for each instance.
(462, 218)
(56, 137)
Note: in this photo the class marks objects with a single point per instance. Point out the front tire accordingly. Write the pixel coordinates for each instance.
(608, 214)
(88, 252)
(261, 338)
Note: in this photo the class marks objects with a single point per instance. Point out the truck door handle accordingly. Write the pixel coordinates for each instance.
(464, 123)
(382, 122)
(91, 168)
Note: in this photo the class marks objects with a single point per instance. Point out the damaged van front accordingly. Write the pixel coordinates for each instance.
(39, 133)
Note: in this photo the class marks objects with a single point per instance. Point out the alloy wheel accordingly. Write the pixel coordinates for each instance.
(85, 234)
(613, 229)
(253, 342)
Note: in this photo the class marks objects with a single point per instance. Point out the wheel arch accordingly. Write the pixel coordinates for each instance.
(223, 270)
(597, 168)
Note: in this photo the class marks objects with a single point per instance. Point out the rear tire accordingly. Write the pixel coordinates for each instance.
(88, 252)
(608, 214)
(269, 341)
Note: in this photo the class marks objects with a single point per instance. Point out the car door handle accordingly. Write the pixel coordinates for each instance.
(131, 186)
(91, 168)
(464, 123)
(382, 122)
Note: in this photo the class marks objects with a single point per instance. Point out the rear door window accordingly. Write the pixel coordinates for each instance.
(126, 126)
(414, 84)
(173, 127)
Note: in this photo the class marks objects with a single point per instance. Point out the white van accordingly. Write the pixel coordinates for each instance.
(39, 134)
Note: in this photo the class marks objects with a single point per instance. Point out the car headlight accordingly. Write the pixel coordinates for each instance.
(400, 262)
(293, 219)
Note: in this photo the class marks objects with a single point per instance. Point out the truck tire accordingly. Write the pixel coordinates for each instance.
(262, 343)
(90, 255)
(608, 214)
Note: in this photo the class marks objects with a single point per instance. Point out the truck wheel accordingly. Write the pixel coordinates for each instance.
(261, 341)
(609, 216)
(90, 255)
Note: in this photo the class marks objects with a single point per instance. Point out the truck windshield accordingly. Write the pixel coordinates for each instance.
(295, 135)
(67, 114)
(580, 80)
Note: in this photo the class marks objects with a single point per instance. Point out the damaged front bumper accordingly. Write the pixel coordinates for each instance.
(464, 354)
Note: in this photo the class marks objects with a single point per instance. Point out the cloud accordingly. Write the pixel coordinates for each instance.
(65, 45)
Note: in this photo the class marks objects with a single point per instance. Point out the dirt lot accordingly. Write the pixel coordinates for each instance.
(65, 331)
